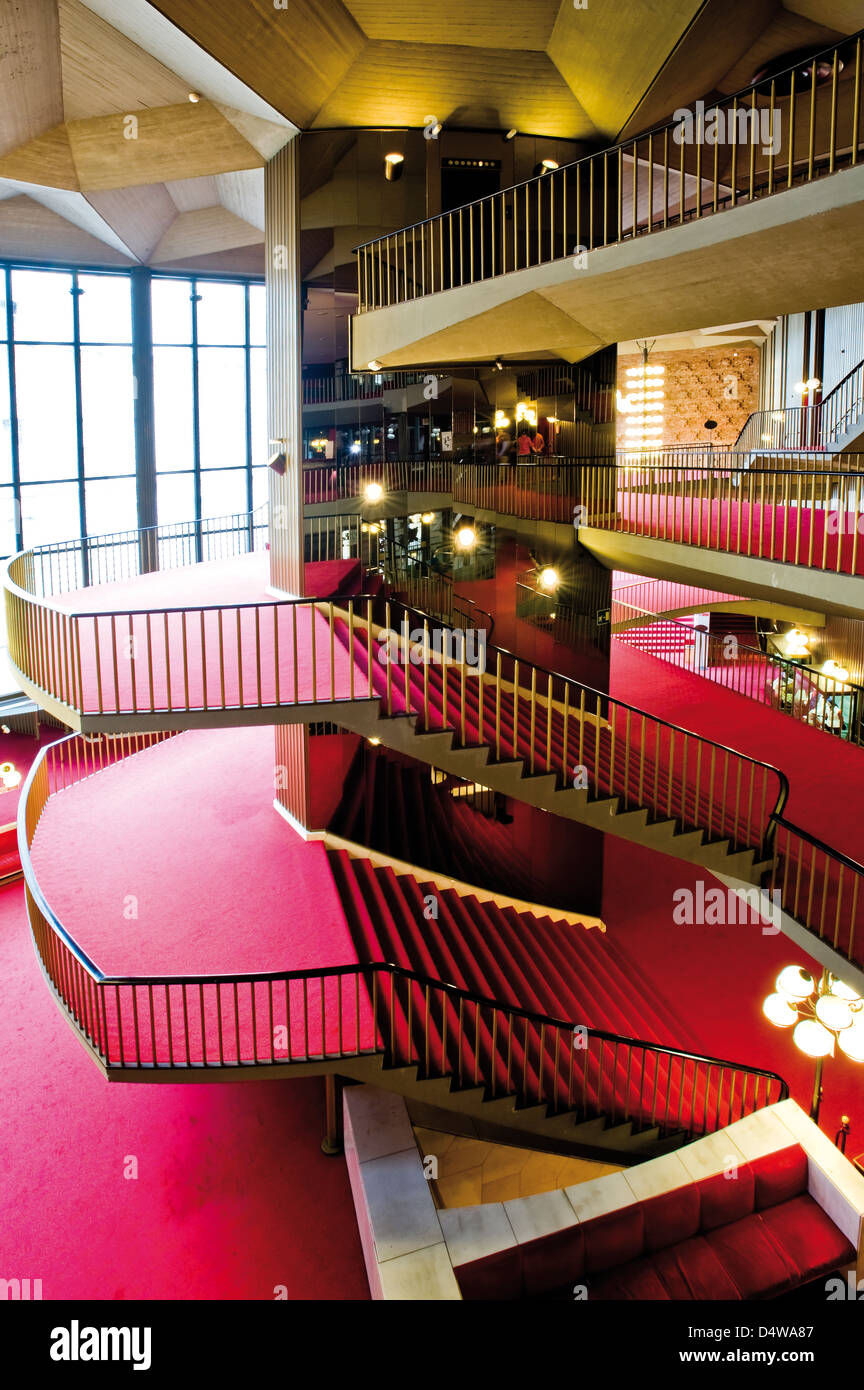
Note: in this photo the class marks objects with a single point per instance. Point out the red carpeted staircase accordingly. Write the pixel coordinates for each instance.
(642, 761)
(521, 961)
(669, 639)
(392, 806)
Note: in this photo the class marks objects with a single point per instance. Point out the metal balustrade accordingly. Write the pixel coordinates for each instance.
(780, 132)
(809, 696)
(808, 427)
(796, 514)
(358, 386)
(152, 664)
(662, 597)
(141, 1026)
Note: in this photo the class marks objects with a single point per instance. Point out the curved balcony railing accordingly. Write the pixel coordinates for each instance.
(313, 652)
(775, 134)
(136, 1026)
(145, 668)
(801, 692)
(810, 427)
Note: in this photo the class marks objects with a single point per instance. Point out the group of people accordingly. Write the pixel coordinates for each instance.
(529, 442)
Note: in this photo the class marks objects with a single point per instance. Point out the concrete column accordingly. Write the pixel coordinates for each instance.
(284, 413)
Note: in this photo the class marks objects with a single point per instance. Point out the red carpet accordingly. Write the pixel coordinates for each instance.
(717, 977)
(791, 535)
(174, 862)
(824, 773)
(233, 1196)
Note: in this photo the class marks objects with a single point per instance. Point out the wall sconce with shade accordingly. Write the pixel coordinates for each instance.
(821, 1015)
(393, 165)
(797, 644)
(835, 672)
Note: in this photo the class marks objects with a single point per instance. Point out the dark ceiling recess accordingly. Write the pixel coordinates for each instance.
(803, 61)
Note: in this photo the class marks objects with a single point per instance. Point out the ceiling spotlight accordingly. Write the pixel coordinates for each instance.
(374, 365)
(466, 537)
(545, 167)
(373, 492)
(393, 165)
(194, 96)
(499, 365)
(511, 135)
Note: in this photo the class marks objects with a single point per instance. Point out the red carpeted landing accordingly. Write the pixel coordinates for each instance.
(238, 579)
(717, 977)
(233, 1196)
(825, 538)
(825, 774)
(185, 835)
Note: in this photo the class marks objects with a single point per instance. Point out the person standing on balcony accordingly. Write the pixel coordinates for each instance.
(538, 443)
(525, 445)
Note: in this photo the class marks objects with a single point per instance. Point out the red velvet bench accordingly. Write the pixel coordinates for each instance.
(752, 1236)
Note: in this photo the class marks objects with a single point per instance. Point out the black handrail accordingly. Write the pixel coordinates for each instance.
(456, 992)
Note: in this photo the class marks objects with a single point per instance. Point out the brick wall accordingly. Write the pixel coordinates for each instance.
(699, 386)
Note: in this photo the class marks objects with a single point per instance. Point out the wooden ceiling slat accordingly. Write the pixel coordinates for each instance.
(401, 84)
(29, 230)
(610, 54)
(46, 160)
(172, 142)
(203, 232)
(104, 73)
(140, 216)
(30, 73)
(293, 56)
(512, 24)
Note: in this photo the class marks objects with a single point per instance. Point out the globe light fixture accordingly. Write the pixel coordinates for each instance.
(373, 492)
(466, 537)
(548, 579)
(822, 1016)
(9, 776)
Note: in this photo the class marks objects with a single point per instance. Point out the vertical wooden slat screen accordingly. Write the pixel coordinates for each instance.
(284, 414)
(284, 388)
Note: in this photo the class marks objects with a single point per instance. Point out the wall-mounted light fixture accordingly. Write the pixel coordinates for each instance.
(393, 165)
(278, 462)
(804, 388)
(545, 167)
(511, 134)
(194, 97)
(466, 537)
(373, 492)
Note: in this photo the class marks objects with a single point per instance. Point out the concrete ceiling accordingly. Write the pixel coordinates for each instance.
(104, 158)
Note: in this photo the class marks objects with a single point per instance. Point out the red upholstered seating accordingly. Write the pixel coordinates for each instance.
(754, 1233)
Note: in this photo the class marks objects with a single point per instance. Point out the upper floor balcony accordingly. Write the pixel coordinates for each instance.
(630, 241)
